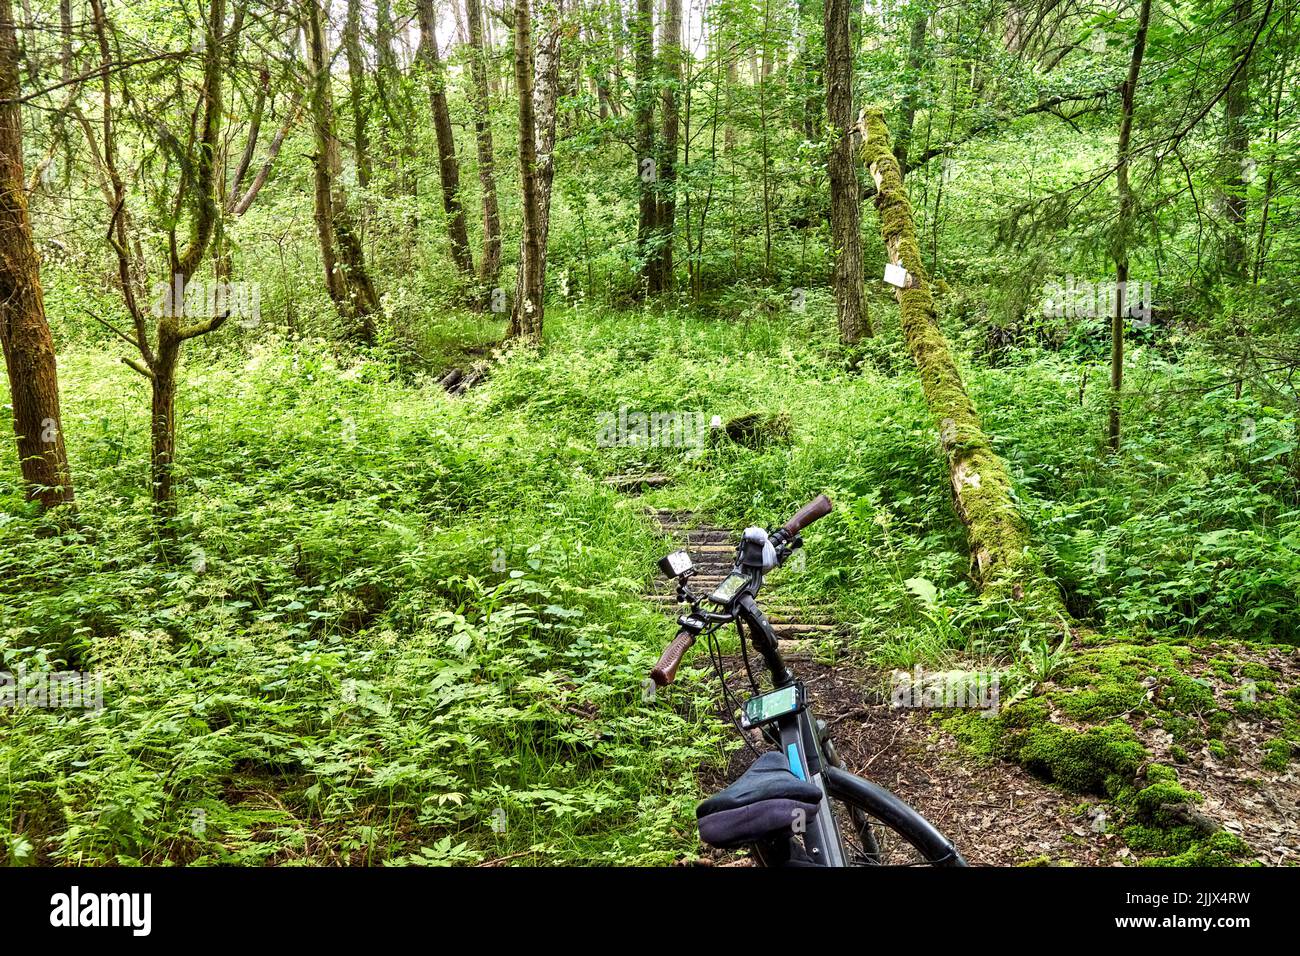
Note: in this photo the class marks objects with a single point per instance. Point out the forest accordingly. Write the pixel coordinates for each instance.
(364, 357)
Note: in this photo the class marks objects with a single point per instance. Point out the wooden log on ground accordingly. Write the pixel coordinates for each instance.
(457, 382)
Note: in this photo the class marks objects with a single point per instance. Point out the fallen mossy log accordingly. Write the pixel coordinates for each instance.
(1003, 563)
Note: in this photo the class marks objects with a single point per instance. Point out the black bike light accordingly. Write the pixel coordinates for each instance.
(676, 564)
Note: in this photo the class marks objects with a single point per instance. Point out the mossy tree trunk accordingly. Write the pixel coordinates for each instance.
(526, 315)
(346, 277)
(357, 80)
(659, 271)
(490, 262)
(530, 280)
(1124, 228)
(160, 351)
(24, 331)
(642, 37)
(1236, 150)
(1002, 562)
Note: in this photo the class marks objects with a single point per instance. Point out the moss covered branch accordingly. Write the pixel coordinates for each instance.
(1003, 563)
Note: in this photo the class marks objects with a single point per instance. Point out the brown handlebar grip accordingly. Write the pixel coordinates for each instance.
(664, 672)
(819, 507)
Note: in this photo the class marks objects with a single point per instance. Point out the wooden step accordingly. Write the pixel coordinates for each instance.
(805, 629)
(797, 648)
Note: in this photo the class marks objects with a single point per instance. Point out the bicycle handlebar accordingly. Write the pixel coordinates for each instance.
(819, 507)
(664, 672)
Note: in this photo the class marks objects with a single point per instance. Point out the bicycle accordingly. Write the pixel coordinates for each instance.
(799, 804)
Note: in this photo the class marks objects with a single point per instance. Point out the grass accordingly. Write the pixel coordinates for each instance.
(399, 627)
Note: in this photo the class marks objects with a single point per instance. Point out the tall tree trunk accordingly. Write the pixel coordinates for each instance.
(357, 91)
(448, 165)
(733, 81)
(915, 50)
(1002, 563)
(546, 86)
(616, 34)
(527, 314)
(461, 36)
(491, 25)
(660, 272)
(1262, 237)
(160, 364)
(598, 74)
(809, 77)
(1124, 227)
(642, 36)
(385, 58)
(1236, 147)
(346, 277)
(396, 143)
(24, 331)
(490, 263)
(845, 212)
(171, 331)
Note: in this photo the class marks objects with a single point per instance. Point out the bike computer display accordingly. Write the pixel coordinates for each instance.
(768, 707)
(729, 588)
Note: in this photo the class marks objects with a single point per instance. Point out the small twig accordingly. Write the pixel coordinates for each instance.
(502, 859)
(887, 746)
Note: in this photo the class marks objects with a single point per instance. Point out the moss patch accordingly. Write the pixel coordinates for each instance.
(1277, 754)
(1107, 760)
(1221, 849)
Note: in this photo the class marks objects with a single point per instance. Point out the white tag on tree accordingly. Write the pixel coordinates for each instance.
(897, 276)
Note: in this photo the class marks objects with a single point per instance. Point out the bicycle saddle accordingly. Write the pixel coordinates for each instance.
(767, 799)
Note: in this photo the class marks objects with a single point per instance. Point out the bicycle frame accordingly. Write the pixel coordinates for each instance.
(804, 741)
(800, 740)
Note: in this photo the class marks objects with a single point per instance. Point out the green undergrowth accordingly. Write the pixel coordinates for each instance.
(396, 626)
(390, 627)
